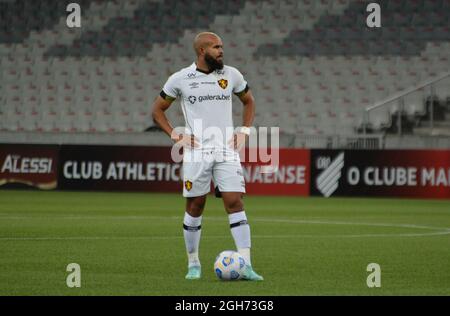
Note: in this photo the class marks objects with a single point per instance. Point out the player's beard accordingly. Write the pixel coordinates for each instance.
(213, 63)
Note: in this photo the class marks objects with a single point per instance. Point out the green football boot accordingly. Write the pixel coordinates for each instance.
(250, 275)
(194, 273)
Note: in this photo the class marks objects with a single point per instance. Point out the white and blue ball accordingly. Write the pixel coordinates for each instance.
(229, 265)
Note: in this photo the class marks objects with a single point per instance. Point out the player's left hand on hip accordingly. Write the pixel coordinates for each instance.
(238, 141)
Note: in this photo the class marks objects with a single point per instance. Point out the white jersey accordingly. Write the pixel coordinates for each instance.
(206, 101)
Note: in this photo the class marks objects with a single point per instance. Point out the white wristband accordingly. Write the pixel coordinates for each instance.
(244, 130)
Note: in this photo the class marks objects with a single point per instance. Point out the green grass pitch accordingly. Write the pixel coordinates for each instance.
(132, 244)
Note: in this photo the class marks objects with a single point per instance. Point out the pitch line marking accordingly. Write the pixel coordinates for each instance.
(216, 218)
(219, 237)
(440, 230)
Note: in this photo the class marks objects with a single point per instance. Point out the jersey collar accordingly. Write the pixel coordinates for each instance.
(194, 65)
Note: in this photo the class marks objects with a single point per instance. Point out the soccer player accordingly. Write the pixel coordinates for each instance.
(205, 89)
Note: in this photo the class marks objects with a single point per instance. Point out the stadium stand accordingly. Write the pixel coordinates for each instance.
(313, 65)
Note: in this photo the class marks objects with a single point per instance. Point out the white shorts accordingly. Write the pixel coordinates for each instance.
(224, 169)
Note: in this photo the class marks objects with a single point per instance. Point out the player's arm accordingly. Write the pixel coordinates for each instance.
(248, 116)
(248, 101)
(160, 105)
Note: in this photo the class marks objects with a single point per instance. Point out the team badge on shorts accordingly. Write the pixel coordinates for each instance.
(188, 185)
(223, 83)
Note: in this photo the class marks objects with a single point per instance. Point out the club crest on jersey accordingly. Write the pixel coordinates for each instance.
(223, 83)
(188, 185)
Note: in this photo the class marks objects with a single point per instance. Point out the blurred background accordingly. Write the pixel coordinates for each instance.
(317, 71)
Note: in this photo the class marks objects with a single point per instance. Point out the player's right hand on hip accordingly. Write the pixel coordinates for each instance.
(185, 140)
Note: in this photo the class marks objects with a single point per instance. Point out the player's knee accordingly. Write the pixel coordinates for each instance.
(195, 207)
(234, 205)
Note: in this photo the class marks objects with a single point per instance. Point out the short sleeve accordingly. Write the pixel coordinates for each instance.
(171, 87)
(239, 83)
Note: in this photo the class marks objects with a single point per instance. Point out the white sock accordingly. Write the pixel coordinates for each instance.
(241, 234)
(192, 231)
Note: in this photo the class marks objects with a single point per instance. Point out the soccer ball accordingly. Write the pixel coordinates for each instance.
(229, 265)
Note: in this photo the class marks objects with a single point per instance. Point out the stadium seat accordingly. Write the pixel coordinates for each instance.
(311, 51)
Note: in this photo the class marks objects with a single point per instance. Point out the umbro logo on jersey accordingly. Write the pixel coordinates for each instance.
(194, 85)
(192, 99)
(220, 72)
(191, 75)
(223, 83)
